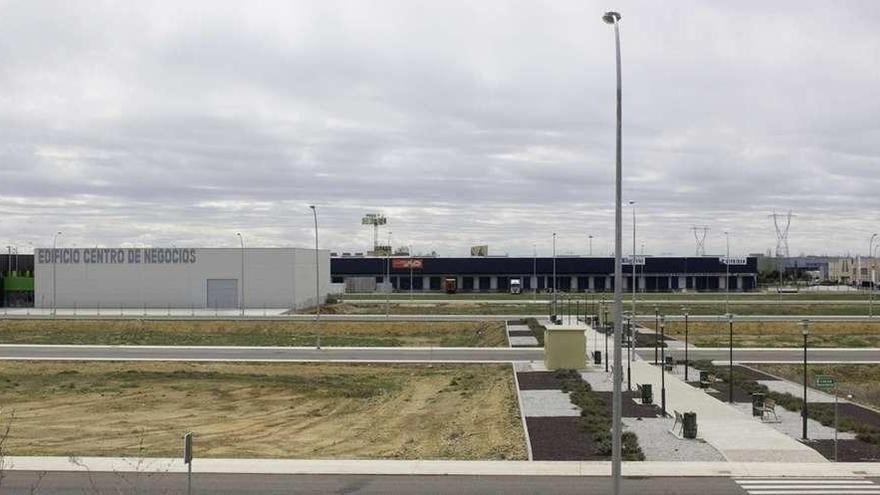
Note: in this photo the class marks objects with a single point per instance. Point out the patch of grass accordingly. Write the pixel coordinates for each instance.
(595, 417)
(537, 330)
(252, 333)
(779, 334)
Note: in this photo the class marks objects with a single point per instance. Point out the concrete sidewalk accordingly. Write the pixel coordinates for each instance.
(440, 467)
(738, 437)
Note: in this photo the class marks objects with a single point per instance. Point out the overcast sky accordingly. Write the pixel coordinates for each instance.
(491, 122)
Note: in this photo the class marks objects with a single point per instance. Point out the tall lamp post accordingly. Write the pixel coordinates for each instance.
(656, 332)
(870, 246)
(805, 330)
(410, 272)
(634, 279)
(629, 347)
(613, 18)
(663, 366)
(554, 276)
(54, 261)
(727, 276)
(241, 301)
(534, 272)
(317, 274)
(590, 237)
(388, 278)
(684, 311)
(730, 368)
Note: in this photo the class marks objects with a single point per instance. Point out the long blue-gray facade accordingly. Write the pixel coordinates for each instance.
(573, 274)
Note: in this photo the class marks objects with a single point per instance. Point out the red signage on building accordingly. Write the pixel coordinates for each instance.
(406, 263)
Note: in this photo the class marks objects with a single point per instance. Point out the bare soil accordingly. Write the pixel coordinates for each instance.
(779, 334)
(262, 410)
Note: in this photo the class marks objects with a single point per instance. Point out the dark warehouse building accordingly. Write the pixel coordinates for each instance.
(574, 274)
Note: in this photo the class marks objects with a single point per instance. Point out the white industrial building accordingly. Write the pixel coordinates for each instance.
(179, 277)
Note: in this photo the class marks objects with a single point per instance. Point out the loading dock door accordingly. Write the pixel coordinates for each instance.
(222, 293)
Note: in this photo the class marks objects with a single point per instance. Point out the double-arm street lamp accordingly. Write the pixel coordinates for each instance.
(684, 311)
(613, 18)
(663, 365)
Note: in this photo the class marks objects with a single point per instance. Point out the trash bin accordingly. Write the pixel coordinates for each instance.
(597, 357)
(704, 379)
(689, 425)
(647, 394)
(757, 404)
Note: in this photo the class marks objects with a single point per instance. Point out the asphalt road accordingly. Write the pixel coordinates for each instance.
(68, 483)
(267, 354)
(795, 355)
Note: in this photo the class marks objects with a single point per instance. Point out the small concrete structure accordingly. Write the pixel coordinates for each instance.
(565, 347)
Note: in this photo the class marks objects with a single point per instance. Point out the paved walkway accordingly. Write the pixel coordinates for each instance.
(439, 467)
(731, 432)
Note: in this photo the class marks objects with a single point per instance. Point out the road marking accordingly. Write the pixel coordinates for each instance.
(809, 486)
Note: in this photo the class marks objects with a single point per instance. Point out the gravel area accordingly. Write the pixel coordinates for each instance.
(848, 450)
(659, 444)
(543, 403)
(599, 380)
(518, 328)
(523, 341)
(791, 424)
(526, 366)
(520, 333)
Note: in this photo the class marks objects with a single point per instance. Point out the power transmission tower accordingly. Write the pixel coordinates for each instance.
(782, 224)
(700, 232)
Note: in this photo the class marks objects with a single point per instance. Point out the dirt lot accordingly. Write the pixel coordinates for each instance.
(260, 333)
(778, 334)
(860, 380)
(269, 410)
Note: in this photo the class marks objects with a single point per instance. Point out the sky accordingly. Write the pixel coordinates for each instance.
(492, 122)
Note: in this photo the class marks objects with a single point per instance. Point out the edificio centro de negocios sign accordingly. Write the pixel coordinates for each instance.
(117, 256)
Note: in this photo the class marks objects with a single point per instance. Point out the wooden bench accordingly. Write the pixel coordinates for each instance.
(710, 380)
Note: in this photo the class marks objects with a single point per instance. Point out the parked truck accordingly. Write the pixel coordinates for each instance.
(450, 285)
(515, 286)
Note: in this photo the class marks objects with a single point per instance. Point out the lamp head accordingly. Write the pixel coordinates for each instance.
(312, 207)
(805, 327)
(611, 17)
(729, 316)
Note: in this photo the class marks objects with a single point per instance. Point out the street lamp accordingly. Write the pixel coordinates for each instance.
(388, 278)
(686, 362)
(663, 367)
(410, 273)
(629, 347)
(241, 301)
(870, 246)
(730, 374)
(554, 276)
(727, 277)
(534, 272)
(613, 18)
(656, 330)
(805, 330)
(317, 275)
(591, 244)
(634, 280)
(54, 261)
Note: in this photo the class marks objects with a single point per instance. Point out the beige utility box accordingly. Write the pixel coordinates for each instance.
(565, 347)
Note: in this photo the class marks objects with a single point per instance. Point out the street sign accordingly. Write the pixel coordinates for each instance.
(825, 381)
(628, 260)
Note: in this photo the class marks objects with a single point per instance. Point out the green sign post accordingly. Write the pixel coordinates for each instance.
(825, 382)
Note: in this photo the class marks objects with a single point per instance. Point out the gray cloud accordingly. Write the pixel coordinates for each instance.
(464, 122)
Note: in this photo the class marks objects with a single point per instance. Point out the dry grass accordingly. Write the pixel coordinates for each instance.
(268, 333)
(860, 380)
(778, 334)
(263, 410)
